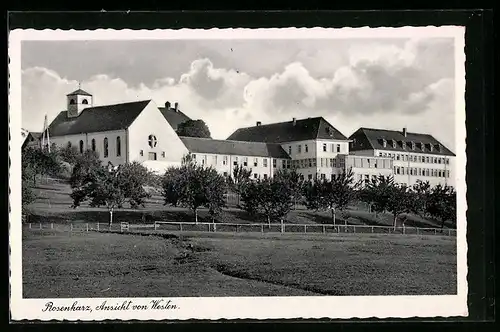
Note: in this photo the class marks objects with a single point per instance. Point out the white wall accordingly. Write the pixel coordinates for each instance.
(169, 148)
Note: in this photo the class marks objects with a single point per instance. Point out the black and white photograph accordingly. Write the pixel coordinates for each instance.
(237, 173)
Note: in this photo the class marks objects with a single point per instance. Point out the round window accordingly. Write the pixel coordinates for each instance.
(152, 141)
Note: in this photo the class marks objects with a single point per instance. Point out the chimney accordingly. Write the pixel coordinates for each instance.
(167, 105)
(259, 123)
(294, 121)
(404, 132)
(176, 107)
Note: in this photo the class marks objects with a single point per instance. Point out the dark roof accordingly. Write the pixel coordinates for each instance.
(370, 138)
(35, 135)
(173, 117)
(79, 92)
(304, 129)
(226, 147)
(97, 119)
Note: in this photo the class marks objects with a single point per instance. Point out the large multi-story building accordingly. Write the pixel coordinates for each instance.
(415, 156)
(141, 131)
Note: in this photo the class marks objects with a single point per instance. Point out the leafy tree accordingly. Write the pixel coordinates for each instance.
(377, 192)
(441, 204)
(69, 154)
(28, 196)
(333, 195)
(240, 178)
(83, 164)
(193, 128)
(103, 186)
(250, 197)
(172, 185)
(421, 192)
(39, 162)
(133, 177)
(400, 200)
(294, 181)
(215, 189)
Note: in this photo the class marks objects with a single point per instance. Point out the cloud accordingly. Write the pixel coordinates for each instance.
(368, 84)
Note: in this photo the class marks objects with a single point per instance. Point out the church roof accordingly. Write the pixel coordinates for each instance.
(303, 129)
(97, 119)
(173, 117)
(371, 139)
(226, 147)
(79, 92)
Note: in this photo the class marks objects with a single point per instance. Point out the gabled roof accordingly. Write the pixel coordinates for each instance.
(97, 119)
(374, 138)
(303, 129)
(226, 147)
(79, 92)
(173, 117)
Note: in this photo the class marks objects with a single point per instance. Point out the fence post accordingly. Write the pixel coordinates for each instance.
(324, 229)
(435, 231)
(98, 227)
(40, 225)
(181, 226)
(449, 232)
(305, 229)
(262, 228)
(404, 229)
(29, 226)
(71, 227)
(155, 225)
(51, 225)
(354, 229)
(372, 229)
(87, 227)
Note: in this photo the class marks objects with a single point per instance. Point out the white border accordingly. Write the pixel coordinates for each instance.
(242, 307)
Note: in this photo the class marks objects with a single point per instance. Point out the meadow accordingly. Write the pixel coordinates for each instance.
(223, 264)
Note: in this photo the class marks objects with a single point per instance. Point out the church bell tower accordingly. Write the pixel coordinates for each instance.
(77, 101)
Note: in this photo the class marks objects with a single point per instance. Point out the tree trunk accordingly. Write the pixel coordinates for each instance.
(395, 220)
(269, 221)
(110, 217)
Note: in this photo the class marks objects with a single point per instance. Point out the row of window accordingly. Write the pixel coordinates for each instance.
(81, 146)
(413, 145)
(421, 171)
(333, 148)
(203, 159)
(415, 158)
(359, 162)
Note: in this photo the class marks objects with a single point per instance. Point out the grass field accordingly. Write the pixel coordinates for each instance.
(214, 264)
(53, 204)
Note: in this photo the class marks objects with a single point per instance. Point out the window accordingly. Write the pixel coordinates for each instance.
(411, 171)
(439, 160)
(265, 176)
(274, 163)
(321, 162)
(375, 164)
(235, 162)
(255, 176)
(214, 160)
(322, 176)
(119, 147)
(224, 160)
(384, 143)
(69, 144)
(204, 160)
(309, 176)
(447, 161)
(225, 174)
(93, 144)
(163, 154)
(403, 145)
(72, 102)
(419, 171)
(283, 163)
(85, 102)
(402, 171)
(397, 157)
(290, 149)
(393, 144)
(299, 148)
(332, 147)
(310, 162)
(81, 146)
(141, 153)
(106, 147)
(245, 161)
(152, 141)
(193, 156)
(324, 147)
(152, 155)
(306, 148)
(413, 145)
(427, 159)
(264, 162)
(426, 172)
(338, 147)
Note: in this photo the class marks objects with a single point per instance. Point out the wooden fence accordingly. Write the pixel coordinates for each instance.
(240, 228)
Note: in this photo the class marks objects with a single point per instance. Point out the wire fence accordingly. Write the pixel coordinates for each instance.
(162, 226)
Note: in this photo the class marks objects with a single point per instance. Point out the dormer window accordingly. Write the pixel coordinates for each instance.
(72, 102)
(438, 147)
(403, 144)
(431, 147)
(384, 143)
(393, 144)
(85, 102)
(413, 145)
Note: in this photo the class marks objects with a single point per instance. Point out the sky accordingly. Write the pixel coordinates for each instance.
(352, 83)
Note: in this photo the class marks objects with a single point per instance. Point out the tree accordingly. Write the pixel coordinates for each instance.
(400, 200)
(421, 191)
(28, 196)
(333, 195)
(83, 164)
(441, 204)
(134, 177)
(69, 154)
(103, 186)
(241, 177)
(250, 196)
(377, 192)
(294, 181)
(39, 162)
(215, 188)
(193, 128)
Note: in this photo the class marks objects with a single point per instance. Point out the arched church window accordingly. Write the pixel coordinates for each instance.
(71, 101)
(105, 147)
(118, 146)
(81, 146)
(93, 144)
(152, 141)
(85, 102)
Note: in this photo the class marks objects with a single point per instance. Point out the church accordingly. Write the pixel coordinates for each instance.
(144, 132)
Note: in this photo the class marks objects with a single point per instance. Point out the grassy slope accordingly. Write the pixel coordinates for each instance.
(53, 205)
(208, 264)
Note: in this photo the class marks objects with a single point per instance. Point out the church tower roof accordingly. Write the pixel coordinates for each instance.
(79, 92)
